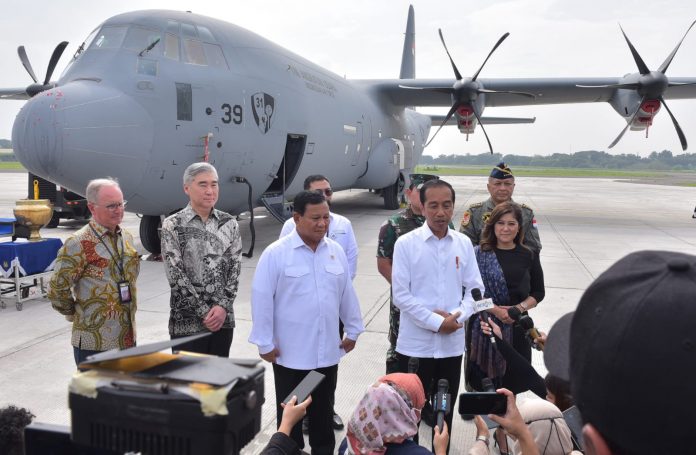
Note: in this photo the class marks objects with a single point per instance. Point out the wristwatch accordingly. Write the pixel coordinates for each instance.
(523, 306)
(483, 439)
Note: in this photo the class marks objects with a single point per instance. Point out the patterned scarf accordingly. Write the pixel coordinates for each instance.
(388, 413)
(482, 353)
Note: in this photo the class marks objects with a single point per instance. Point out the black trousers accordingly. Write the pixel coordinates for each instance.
(216, 344)
(430, 371)
(82, 354)
(320, 412)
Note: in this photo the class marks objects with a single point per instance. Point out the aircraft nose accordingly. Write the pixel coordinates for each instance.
(81, 131)
(34, 134)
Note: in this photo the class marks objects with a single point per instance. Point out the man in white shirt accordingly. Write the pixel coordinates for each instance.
(433, 272)
(341, 230)
(301, 288)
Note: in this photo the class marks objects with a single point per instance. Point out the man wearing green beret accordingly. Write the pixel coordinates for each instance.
(501, 184)
(405, 221)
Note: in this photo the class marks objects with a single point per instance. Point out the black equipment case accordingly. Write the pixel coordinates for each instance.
(154, 419)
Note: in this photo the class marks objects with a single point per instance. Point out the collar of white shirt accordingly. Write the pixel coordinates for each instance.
(426, 233)
(296, 241)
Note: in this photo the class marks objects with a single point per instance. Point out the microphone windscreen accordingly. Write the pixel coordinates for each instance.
(476, 294)
(514, 313)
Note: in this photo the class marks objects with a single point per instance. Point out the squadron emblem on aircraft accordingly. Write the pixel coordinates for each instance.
(263, 106)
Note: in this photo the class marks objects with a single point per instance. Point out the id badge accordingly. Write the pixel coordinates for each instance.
(124, 292)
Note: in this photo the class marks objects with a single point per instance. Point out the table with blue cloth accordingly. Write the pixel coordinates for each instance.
(24, 265)
(7, 227)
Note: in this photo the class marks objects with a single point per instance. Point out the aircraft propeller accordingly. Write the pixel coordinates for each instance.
(650, 85)
(465, 91)
(37, 87)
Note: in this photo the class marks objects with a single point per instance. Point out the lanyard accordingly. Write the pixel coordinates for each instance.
(118, 259)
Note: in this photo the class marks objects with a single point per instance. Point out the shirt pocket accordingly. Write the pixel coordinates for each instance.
(298, 285)
(296, 272)
(334, 269)
(334, 278)
(297, 281)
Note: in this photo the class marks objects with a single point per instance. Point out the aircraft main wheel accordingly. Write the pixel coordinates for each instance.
(150, 234)
(55, 219)
(391, 196)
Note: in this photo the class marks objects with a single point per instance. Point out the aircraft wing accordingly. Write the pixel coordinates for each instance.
(414, 92)
(13, 94)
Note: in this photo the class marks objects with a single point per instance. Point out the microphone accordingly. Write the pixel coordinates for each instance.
(528, 325)
(481, 305)
(413, 363)
(442, 402)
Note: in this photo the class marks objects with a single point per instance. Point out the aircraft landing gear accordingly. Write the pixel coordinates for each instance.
(392, 194)
(150, 233)
(53, 223)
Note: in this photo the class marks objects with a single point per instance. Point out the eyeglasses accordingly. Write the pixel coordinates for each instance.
(326, 191)
(114, 206)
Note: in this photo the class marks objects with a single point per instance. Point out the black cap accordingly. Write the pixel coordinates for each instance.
(630, 352)
(502, 171)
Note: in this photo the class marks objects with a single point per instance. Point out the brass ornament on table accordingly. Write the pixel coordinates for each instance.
(34, 214)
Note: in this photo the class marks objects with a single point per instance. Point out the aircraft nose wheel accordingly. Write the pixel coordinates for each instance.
(150, 226)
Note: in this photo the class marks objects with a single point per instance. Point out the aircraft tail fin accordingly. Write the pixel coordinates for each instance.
(408, 57)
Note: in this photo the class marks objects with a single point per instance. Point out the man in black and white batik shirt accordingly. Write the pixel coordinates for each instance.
(201, 247)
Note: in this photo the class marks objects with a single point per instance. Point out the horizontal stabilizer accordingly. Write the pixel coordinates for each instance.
(437, 119)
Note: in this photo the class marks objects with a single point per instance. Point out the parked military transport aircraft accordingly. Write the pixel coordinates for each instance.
(149, 92)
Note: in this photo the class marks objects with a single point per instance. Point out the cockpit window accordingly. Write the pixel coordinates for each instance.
(109, 37)
(142, 40)
(194, 53)
(204, 34)
(85, 44)
(171, 46)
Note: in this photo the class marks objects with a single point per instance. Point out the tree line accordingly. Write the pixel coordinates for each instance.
(592, 159)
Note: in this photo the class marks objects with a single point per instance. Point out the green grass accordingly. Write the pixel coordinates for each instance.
(11, 166)
(541, 172)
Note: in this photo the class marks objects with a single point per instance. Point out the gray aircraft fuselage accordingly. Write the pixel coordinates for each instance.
(144, 116)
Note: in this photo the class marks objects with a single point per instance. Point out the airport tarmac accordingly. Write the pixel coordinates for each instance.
(585, 225)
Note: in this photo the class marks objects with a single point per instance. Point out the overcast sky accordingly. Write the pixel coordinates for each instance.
(363, 39)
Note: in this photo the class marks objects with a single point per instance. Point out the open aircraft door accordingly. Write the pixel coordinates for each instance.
(274, 197)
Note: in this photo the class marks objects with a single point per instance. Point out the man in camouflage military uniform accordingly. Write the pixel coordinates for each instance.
(405, 221)
(501, 184)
